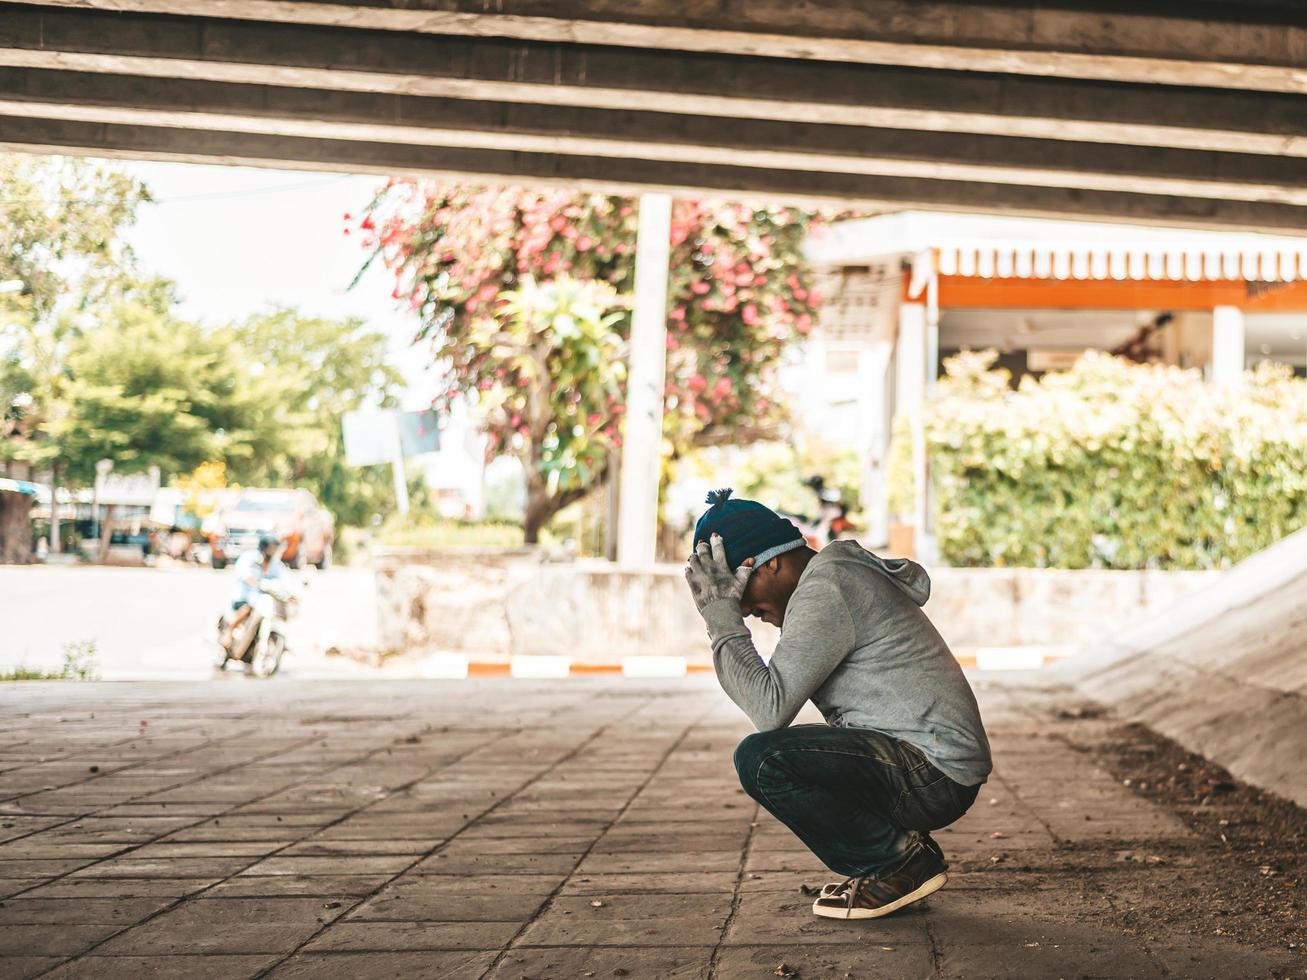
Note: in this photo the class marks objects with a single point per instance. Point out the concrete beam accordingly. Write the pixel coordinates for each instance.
(627, 176)
(1245, 45)
(669, 82)
(371, 117)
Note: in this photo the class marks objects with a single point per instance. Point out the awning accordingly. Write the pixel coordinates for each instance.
(1021, 260)
(18, 486)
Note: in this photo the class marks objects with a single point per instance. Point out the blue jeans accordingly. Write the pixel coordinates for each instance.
(852, 795)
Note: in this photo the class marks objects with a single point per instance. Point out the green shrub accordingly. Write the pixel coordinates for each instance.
(445, 533)
(80, 664)
(1114, 465)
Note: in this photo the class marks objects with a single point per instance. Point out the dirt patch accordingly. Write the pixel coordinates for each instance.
(1246, 875)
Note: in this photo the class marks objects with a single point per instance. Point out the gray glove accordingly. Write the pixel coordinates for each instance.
(710, 577)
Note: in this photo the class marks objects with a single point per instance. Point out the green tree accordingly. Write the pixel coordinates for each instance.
(61, 225)
(738, 292)
(146, 389)
(306, 373)
(547, 338)
(61, 244)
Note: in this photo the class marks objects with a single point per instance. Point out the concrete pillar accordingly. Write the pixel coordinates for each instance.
(1227, 345)
(911, 391)
(925, 534)
(873, 438)
(637, 516)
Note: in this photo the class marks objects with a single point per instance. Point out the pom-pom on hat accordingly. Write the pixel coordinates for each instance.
(748, 529)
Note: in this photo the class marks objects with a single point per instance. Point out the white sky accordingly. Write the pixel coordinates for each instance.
(238, 240)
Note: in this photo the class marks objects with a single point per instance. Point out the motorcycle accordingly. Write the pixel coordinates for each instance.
(262, 639)
(831, 522)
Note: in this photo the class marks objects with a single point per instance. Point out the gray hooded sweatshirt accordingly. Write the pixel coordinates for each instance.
(857, 643)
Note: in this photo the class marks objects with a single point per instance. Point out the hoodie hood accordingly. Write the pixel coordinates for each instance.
(910, 577)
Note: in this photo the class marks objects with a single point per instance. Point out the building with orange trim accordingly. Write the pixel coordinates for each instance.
(906, 290)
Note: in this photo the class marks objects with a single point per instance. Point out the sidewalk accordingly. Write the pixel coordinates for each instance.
(584, 827)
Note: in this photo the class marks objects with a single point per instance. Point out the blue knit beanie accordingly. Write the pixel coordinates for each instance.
(748, 529)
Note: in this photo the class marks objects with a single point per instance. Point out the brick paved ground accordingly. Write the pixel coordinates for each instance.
(506, 828)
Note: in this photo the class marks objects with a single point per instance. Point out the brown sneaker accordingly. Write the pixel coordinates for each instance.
(870, 898)
(837, 887)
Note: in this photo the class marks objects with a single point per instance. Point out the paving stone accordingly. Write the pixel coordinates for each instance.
(33, 848)
(26, 910)
(679, 882)
(787, 881)
(40, 867)
(637, 963)
(449, 908)
(649, 907)
(203, 913)
(555, 928)
(530, 825)
(166, 936)
(872, 959)
(422, 885)
(207, 966)
(384, 966)
(398, 936)
(120, 887)
(644, 863)
(333, 886)
(575, 846)
(60, 939)
(170, 849)
(318, 847)
(337, 865)
(133, 867)
(496, 864)
(22, 967)
(12, 886)
(772, 917)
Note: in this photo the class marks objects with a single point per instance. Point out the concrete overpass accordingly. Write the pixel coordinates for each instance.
(1135, 112)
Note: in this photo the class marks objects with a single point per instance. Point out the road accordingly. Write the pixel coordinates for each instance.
(157, 623)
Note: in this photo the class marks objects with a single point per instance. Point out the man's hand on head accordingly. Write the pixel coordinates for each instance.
(710, 576)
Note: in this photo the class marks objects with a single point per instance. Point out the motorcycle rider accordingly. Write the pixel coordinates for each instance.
(253, 568)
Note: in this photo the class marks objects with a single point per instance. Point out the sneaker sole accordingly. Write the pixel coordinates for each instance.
(928, 888)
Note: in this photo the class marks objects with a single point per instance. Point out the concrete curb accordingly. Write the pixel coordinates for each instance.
(455, 666)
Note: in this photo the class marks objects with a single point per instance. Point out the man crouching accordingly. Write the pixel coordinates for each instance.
(903, 752)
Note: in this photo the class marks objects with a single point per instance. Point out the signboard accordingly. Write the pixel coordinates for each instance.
(419, 433)
(370, 438)
(861, 305)
(1053, 358)
(373, 437)
(127, 489)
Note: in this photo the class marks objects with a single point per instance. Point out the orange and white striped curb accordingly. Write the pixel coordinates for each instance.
(455, 666)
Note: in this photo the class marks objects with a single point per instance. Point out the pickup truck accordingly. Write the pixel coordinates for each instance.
(295, 516)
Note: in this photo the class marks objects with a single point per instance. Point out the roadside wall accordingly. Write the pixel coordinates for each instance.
(1223, 671)
(494, 604)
